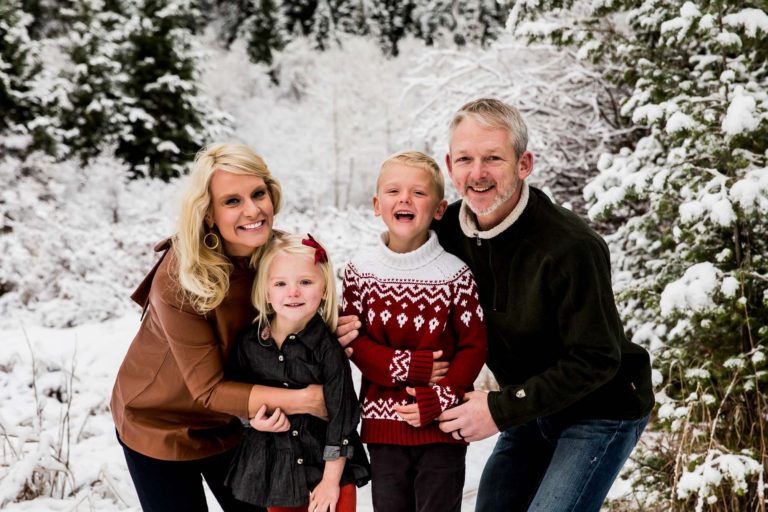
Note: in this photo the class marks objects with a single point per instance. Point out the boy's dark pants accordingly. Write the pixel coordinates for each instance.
(421, 478)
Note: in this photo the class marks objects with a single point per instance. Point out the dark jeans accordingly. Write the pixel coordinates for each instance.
(544, 466)
(176, 485)
(426, 478)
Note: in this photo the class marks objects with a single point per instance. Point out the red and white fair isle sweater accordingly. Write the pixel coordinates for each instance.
(412, 304)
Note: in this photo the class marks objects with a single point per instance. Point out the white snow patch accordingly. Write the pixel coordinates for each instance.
(740, 116)
(751, 20)
(729, 286)
(722, 213)
(678, 122)
(692, 292)
(168, 146)
(751, 192)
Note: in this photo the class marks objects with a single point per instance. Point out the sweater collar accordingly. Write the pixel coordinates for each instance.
(468, 221)
(418, 258)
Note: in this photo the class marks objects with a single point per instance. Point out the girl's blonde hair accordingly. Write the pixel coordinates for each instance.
(204, 272)
(292, 244)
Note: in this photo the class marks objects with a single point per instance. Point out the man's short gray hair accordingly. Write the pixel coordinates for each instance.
(493, 113)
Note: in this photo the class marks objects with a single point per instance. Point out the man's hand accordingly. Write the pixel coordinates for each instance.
(410, 412)
(471, 420)
(347, 331)
(277, 422)
(439, 368)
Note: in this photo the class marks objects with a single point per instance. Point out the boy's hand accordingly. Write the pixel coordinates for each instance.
(278, 422)
(439, 368)
(410, 412)
(347, 331)
(324, 497)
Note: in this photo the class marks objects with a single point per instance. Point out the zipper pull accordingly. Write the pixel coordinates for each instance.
(477, 237)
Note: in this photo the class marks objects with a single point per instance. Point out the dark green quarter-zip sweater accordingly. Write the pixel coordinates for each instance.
(555, 342)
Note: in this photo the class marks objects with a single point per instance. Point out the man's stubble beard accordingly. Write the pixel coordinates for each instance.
(497, 203)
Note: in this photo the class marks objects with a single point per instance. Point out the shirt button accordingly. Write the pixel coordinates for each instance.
(295, 433)
(280, 358)
(345, 442)
(285, 384)
(291, 337)
(300, 461)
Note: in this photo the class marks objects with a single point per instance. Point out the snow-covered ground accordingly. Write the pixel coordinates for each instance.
(63, 404)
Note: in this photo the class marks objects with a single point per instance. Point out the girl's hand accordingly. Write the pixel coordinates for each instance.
(324, 497)
(439, 368)
(278, 422)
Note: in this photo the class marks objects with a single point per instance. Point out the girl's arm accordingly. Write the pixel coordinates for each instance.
(309, 400)
(325, 496)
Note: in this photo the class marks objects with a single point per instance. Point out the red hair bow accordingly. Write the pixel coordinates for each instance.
(320, 254)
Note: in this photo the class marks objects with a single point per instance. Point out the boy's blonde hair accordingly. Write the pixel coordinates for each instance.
(204, 272)
(419, 160)
(292, 244)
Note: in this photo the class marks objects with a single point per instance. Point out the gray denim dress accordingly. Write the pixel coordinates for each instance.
(280, 469)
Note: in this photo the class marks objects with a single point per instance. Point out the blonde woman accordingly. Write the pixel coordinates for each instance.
(176, 415)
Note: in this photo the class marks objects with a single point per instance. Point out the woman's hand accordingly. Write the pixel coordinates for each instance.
(324, 497)
(314, 401)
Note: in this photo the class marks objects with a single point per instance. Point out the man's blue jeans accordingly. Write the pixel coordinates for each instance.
(543, 466)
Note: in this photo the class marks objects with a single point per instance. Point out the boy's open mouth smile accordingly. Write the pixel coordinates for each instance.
(399, 215)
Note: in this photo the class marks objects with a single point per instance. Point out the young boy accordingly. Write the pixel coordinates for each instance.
(422, 344)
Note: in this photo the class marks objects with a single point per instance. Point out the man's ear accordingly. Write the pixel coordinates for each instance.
(376, 209)
(448, 163)
(441, 209)
(525, 165)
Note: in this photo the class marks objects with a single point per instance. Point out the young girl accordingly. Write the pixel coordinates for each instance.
(298, 462)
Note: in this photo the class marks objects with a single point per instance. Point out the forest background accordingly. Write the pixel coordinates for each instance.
(647, 117)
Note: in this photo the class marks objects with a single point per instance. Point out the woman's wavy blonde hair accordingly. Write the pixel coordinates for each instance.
(292, 244)
(204, 272)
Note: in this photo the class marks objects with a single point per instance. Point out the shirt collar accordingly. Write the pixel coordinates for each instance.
(310, 336)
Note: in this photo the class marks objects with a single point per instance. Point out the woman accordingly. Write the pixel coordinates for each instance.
(175, 413)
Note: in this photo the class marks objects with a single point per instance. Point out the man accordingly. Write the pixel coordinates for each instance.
(575, 393)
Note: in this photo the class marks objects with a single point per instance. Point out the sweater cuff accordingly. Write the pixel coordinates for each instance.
(421, 368)
(429, 405)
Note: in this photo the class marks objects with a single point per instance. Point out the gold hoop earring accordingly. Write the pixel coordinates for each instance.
(211, 245)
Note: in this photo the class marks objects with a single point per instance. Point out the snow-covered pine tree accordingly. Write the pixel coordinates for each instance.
(168, 121)
(96, 108)
(264, 31)
(24, 101)
(392, 20)
(692, 249)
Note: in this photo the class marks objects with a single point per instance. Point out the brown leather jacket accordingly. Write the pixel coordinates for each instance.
(170, 399)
